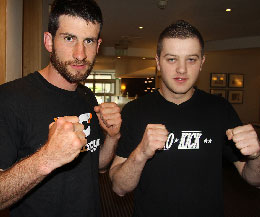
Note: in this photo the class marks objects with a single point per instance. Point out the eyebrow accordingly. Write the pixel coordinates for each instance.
(67, 34)
(71, 35)
(173, 55)
(167, 54)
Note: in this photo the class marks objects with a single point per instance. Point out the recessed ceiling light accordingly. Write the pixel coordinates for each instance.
(140, 27)
(228, 9)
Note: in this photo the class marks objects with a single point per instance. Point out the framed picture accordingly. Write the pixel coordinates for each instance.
(219, 92)
(235, 96)
(218, 80)
(236, 80)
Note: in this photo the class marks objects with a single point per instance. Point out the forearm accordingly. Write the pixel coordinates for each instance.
(251, 172)
(18, 180)
(107, 151)
(125, 177)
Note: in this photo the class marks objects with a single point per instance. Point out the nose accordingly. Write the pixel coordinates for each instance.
(181, 67)
(79, 51)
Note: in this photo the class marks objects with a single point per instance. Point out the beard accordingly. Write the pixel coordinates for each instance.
(62, 68)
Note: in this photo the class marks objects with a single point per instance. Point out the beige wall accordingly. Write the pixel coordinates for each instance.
(45, 16)
(14, 32)
(2, 41)
(245, 62)
(32, 36)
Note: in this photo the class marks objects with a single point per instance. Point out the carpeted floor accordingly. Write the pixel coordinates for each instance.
(112, 205)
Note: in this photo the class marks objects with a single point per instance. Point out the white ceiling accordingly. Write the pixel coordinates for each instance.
(123, 17)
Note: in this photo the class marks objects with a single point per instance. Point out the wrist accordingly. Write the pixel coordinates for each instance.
(115, 137)
(140, 155)
(44, 166)
(254, 156)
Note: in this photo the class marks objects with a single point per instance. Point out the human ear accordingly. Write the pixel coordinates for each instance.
(202, 62)
(48, 43)
(157, 59)
(98, 43)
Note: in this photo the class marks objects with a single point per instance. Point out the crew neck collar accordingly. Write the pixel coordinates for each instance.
(194, 95)
(52, 87)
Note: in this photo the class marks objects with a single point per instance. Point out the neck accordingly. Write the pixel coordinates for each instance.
(175, 97)
(56, 79)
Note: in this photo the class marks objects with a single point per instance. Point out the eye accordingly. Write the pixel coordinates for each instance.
(192, 60)
(171, 59)
(89, 41)
(69, 38)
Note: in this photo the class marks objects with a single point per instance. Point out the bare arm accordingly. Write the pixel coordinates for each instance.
(66, 138)
(247, 142)
(125, 173)
(250, 171)
(107, 151)
(20, 179)
(110, 120)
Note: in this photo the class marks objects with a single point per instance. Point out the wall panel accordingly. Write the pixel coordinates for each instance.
(3, 41)
(32, 36)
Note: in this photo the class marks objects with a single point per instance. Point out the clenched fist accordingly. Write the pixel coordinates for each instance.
(66, 138)
(245, 139)
(109, 118)
(154, 138)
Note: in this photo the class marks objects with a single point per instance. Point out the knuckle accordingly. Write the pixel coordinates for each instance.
(236, 138)
(60, 121)
(244, 151)
(148, 126)
(149, 132)
(117, 108)
(109, 122)
(253, 133)
(250, 126)
(68, 125)
(77, 144)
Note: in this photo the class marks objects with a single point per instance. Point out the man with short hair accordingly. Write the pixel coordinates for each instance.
(172, 141)
(52, 141)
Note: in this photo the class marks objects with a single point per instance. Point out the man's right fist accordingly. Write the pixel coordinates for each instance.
(66, 138)
(154, 138)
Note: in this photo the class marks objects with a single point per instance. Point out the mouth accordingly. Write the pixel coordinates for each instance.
(180, 80)
(78, 67)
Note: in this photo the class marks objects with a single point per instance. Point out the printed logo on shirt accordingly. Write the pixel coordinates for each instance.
(188, 140)
(92, 145)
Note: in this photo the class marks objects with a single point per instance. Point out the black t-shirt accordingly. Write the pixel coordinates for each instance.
(27, 107)
(184, 179)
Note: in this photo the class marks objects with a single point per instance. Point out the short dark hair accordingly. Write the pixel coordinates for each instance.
(85, 9)
(182, 30)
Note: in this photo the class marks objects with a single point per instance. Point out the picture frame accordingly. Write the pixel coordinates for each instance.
(218, 79)
(236, 80)
(235, 96)
(219, 92)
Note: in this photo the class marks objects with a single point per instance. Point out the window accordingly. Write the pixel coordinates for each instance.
(103, 85)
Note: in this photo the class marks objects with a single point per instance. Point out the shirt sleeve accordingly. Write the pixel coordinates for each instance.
(9, 136)
(127, 141)
(230, 152)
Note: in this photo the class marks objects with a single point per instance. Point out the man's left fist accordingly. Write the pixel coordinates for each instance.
(245, 139)
(109, 117)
